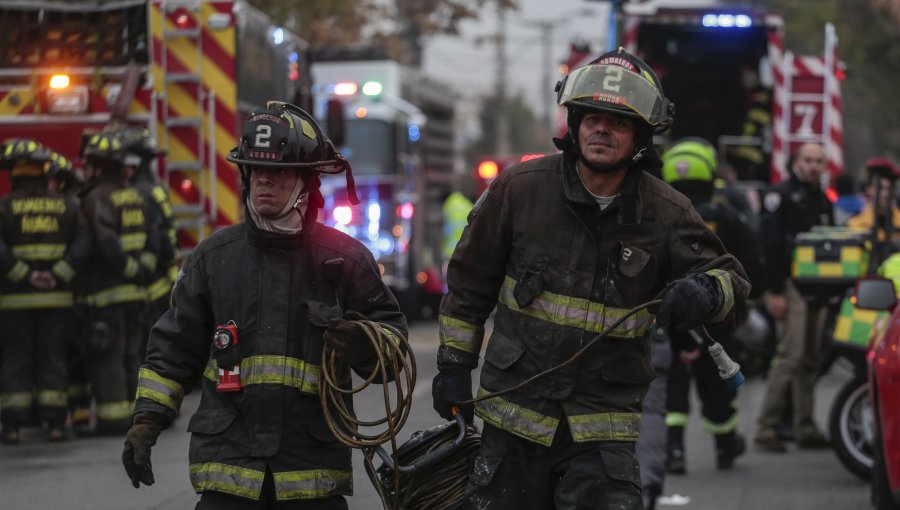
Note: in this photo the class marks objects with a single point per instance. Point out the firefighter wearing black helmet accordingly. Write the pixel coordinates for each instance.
(44, 242)
(251, 310)
(125, 255)
(140, 151)
(67, 180)
(563, 246)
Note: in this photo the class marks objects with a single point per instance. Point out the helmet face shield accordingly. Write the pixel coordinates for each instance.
(613, 87)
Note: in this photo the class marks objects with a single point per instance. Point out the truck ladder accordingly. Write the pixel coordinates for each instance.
(182, 114)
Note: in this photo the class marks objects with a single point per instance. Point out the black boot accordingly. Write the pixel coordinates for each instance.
(729, 446)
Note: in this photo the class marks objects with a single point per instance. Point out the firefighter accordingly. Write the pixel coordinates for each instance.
(43, 242)
(67, 180)
(690, 167)
(750, 161)
(140, 149)
(563, 246)
(790, 208)
(124, 260)
(261, 299)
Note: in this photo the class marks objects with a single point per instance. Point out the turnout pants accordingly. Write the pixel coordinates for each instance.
(114, 367)
(267, 501)
(512, 473)
(34, 365)
(718, 399)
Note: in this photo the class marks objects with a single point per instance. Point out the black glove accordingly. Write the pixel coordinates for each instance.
(688, 302)
(141, 437)
(450, 386)
(348, 339)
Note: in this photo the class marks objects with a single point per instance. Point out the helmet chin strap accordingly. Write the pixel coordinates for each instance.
(612, 168)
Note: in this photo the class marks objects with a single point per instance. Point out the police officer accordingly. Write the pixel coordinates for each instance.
(43, 242)
(690, 167)
(564, 246)
(790, 208)
(276, 288)
(140, 150)
(125, 258)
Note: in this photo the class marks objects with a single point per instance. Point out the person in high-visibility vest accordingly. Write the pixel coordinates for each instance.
(456, 213)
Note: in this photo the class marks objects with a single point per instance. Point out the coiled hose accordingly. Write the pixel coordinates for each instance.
(395, 363)
(430, 471)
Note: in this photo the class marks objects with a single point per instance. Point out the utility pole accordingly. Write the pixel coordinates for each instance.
(502, 138)
(546, 58)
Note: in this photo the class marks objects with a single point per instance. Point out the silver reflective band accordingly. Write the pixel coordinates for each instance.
(617, 86)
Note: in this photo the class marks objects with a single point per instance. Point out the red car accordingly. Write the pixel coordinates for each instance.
(884, 388)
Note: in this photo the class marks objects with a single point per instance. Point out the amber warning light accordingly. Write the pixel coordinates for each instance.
(488, 169)
(59, 81)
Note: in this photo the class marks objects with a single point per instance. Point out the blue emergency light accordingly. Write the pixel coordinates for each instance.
(413, 131)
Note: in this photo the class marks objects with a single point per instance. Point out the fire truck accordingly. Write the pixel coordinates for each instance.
(733, 84)
(189, 70)
(399, 140)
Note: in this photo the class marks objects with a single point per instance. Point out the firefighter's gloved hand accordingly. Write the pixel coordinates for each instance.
(688, 302)
(348, 338)
(141, 437)
(450, 386)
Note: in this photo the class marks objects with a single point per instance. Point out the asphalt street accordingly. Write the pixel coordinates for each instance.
(86, 474)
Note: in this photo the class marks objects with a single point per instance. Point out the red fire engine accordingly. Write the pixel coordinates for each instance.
(189, 70)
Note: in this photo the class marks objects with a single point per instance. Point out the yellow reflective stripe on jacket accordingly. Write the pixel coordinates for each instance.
(55, 299)
(161, 287)
(42, 251)
(131, 268)
(173, 272)
(674, 419)
(730, 425)
(110, 411)
(18, 400)
(516, 419)
(578, 312)
(63, 270)
(159, 389)
(725, 286)
(237, 481)
(267, 369)
(118, 294)
(605, 427)
(315, 483)
(460, 334)
(134, 241)
(147, 260)
(18, 271)
(52, 398)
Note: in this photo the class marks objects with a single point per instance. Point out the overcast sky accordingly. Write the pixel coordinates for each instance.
(472, 67)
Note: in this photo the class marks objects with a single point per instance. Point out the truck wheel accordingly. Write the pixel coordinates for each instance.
(851, 426)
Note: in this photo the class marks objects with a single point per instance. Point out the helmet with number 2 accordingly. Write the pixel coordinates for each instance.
(617, 82)
(284, 135)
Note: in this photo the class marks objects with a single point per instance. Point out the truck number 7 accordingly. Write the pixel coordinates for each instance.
(807, 113)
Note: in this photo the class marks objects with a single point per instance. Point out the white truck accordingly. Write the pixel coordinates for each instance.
(399, 140)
